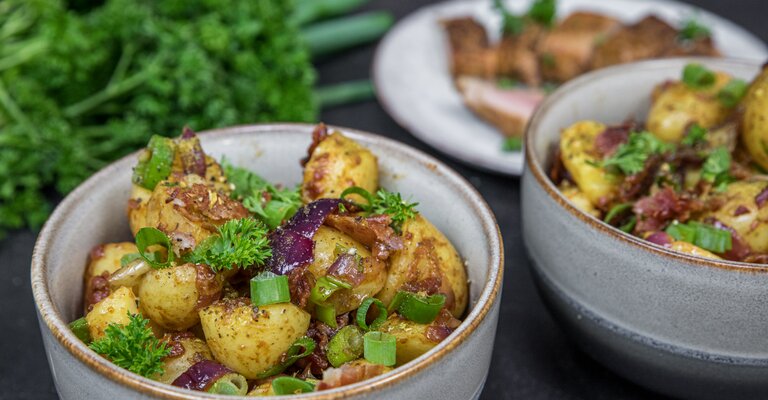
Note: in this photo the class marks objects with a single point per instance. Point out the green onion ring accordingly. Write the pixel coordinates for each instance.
(269, 288)
(362, 314)
(293, 353)
(416, 308)
(362, 193)
(380, 348)
(289, 385)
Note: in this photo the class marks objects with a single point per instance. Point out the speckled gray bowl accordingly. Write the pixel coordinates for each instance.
(95, 213)
(681, 325)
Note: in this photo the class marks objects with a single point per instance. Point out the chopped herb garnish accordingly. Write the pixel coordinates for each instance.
(630, 157)
(543, 11)
(512, 144)
(732, 93)
(133, 347)
(269, 203)
(616, 211)
(696, 134)
(511, 24)
(507, 83)
(702, 235)
(697, 76)
(716, 169)
(693, 30)
(385, 203)
(239, 243)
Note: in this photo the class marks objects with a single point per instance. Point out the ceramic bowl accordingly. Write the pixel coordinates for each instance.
(678, 324)
(95, 213)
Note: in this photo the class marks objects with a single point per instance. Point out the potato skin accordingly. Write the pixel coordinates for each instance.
(750, 224)
(171, 296)
(578, 199)
(687, 248)
(675, 106)
(195, 350)
(112, 310)
(411, 338)
(104, 258)
(427, 255)
(577, 143)
(250, 341)
(338, 163)
(755, 120)
(325, 253)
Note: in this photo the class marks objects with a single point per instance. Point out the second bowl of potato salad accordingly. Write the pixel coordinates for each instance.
(643, 209)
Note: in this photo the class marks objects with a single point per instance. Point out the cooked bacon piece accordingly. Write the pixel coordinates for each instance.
(470, 53)
(374, 232)
(635, 185)
(97, 291)
(299, 286)
(350, 373)
(612, 137)
(198, 203)
(442, 326)
(651, 37)
(506, 109)
(318, 135)
(516, 55)
(565, 51)
(698, 47)
(321, 333)
(654, 212)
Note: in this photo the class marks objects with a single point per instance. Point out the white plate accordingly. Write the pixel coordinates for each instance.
(414, 85)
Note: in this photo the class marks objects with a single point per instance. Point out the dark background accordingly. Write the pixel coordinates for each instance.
(533, 357)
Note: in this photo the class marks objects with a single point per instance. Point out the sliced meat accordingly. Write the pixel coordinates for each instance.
(698, 47)
(470, 53)
(565, 51)
(506, 109)
(651, 37)
(516, 55)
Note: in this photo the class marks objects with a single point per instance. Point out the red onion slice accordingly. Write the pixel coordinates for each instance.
(347, 268)
(201, 375)
(661, 238)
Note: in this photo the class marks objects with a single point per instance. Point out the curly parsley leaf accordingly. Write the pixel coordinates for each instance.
(385, 202)
(133, 347)
(271, 204)
(630, 157)
(239, 243)
(716, 169)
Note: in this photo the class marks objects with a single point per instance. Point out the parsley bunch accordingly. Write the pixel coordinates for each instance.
(630, 157)
(239, 243)
(271, 204)
(133, 347)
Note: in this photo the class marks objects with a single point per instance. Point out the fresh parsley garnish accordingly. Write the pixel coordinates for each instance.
(511, 24)
(271, 204)
(541, 11)
(512, 144)
(630, 157)
(697, 76)
(732, 93)
(239, 243)
(693, 30)
(696, 134)
(716, 169)
(385, 203)
(133, 347)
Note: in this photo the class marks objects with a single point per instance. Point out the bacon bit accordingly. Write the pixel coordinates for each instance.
(374, 232)
(612, 137)
(321, 333)
(740, 210)
(173, 340)
(761, 258)
(348, 374)
(318, 135)
(134, 204)
(197, 204)
(442, 326)
(655, 211)
(761, 198)
(208, 287)
(635, 185)
(299, 286)
(661, 238)
(96, 252)
(99, 290)
(557, 172)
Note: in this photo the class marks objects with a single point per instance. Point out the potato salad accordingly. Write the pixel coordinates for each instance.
(236, 285)
(691, 178)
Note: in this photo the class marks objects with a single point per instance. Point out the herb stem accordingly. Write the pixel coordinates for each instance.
(108, 93)
(344, 93)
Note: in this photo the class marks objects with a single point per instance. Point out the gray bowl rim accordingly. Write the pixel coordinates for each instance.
(536, 168)
(488, 296)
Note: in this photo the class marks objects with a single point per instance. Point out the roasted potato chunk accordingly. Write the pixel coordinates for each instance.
(411, 337)
(112, 310)
(428, 262)
(577, 144)
(194, 350)
(250, 340)
(103, 261)
(337, 163)
(755, 120)
(687, 248)
(578, 199)
(742, 213)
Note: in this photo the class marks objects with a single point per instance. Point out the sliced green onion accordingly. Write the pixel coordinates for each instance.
(732, 93)
(629, 225)
(697, 76)
(616, 211)
(380, 348)
(147, 237)
(346, 345)
(416, 308)
(129, 258)
(290, 385)
(512, 144)
(268, 288)
(681, 232)
(231, 384)
(154, 163)
(80, 328)
(299, 349)
(702, 235)
(325, 287)
(362, 314)
(326, 314)
(360, 192)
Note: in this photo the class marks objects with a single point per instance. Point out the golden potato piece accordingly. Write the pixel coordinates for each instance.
(755, 120)
(103, 260)
(742, 213)
(337, 163)
(411, 338)
(172, 297)
(685, 247)
(194, 351)
(428, 262)
(249, 340)
(675, 106)
(112, 310)
(577, 143)
(578, 199)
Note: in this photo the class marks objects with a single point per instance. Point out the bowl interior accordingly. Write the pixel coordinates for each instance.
(96, 213)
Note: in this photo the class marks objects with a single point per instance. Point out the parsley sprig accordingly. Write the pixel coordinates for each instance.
(630, 157)
(385, 202)
(133, 347)
(269, 203)
(239, 243)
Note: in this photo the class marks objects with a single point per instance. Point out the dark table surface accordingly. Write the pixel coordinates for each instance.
(533, 358)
